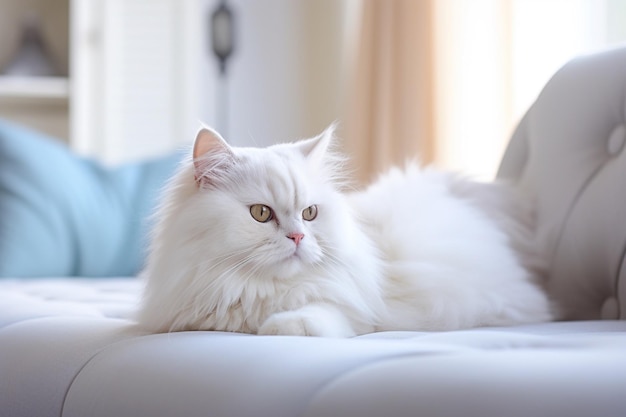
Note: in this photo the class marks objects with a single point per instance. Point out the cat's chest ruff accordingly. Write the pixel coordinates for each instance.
(259, 300)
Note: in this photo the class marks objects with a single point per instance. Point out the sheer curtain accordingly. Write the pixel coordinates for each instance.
(389, 113)
(446, 81)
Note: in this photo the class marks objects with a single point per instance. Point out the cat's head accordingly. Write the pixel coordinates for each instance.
(270, 212)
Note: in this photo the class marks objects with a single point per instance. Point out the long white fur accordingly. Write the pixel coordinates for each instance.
(416, 250)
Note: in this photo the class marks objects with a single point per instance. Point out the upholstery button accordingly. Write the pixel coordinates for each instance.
(610, 309)
(616, 140)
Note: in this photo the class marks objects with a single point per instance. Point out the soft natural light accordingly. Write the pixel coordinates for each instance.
(471, 72)
(493, 58)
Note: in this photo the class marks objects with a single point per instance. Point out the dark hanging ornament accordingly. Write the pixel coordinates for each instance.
(222, 27)
(222, 34)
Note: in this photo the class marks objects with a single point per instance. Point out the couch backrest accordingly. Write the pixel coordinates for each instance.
(569, 152)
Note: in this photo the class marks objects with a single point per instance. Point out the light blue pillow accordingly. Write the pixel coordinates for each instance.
(62, 215)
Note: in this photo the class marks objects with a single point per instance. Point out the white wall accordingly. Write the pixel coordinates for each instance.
(286, 79)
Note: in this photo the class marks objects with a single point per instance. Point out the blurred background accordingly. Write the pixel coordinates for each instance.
(445, 81)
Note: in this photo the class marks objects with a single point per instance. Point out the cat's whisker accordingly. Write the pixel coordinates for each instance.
(252, 255)
(251, 136)
(210, 266)
(224, 258)
(207, 267)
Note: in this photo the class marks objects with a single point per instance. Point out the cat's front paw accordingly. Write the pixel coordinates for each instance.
(306, 322)
(291, 324)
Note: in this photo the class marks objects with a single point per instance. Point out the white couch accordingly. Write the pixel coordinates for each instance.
(66, 350)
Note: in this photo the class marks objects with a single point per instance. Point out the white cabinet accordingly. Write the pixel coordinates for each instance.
(135, 79)
(127, 82)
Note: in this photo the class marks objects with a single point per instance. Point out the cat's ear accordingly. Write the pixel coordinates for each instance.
(212, 157)
(317, 147)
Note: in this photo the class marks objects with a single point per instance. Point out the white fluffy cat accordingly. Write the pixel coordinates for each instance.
(264, 241)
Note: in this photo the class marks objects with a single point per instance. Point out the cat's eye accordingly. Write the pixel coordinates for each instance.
(309, 213)
(261, 213)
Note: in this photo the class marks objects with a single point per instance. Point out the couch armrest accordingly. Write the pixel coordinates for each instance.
(569, 153)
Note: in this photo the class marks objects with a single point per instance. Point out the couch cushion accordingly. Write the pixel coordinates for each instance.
(65, 350)
(62, 215)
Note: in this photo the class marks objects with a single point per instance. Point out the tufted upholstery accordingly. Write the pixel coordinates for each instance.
(65, 350)
(569, 152)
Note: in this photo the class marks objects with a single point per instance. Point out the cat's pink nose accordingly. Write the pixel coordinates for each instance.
(296, 237)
